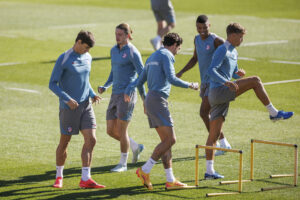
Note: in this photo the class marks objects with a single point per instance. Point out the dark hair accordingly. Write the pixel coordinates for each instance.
(126, 28)
(86, 37)
(172, 38)
(235, 28)
(202, 19)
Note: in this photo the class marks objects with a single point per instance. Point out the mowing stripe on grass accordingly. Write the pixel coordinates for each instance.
(24, 90)
(279, 82)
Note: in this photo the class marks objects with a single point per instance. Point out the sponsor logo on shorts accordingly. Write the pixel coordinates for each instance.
(69, 129)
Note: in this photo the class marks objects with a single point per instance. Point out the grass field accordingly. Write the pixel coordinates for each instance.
(33, 33)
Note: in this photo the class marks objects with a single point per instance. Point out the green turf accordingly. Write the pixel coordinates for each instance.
(34, 33)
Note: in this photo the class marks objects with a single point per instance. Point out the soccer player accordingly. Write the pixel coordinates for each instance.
(70, 82)
(222, 90)
(165, 17)
(205, 45)
(126, 63)
(160, 74)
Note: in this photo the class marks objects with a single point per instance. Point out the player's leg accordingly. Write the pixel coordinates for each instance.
(204, 111)
(111, 129)
(122, 126)
(61, 151)
(61, 156)
(214, 133)
(86, 181)
(167, 157)
(204, 114)
(163, 28)
(255, 83)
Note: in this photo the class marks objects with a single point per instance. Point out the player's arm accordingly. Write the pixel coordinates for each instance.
(137, 83)
(107, 84)
(218, 41)
(191, 63)
(238, 73)
(54, 86)
(55, 78)
(137, 61)
(217, 60)
(169, 71)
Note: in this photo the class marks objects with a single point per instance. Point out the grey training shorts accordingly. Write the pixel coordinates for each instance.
(83, 117)
(157, 110)
(219, 99)
(204, 89)
(163, 10)
(119, 109)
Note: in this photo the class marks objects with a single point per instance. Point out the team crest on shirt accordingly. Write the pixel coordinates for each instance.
(124, 55)
(69, 129)
(207, 47)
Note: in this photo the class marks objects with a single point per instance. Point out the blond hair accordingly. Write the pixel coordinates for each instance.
(126, 28)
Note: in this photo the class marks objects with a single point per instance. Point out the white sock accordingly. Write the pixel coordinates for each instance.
(224, 142)
(210, 167)
(59, 171)
(272, 110)
(157, 38)
(148, 165)
(170, 175)
(85, 173)
(133, 145)
(123, 159)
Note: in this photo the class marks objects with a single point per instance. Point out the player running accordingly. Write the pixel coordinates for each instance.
(222, 90)
(160, 74)
(126, 63)
(205, 45)
(165, 17)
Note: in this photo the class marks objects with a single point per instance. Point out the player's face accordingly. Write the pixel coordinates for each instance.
(237, 39)
(203, 29)
(121, 37)
(175, 49)
(81, 48)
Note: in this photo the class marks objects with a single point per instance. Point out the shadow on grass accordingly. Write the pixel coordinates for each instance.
(76, 172)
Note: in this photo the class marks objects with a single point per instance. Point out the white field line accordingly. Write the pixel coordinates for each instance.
(279, 82)
(72, 26)
(11, 63)
(240, 58)
(265, 43)
(285, 62)
(23, 90)
(8, 35)
(245, 58)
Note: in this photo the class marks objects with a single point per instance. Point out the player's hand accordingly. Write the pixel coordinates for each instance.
(126, 98)
(179, 74)
(96, 99)
(72, 104)
(194, 86)
(101, 89)
(232, 86)
(241, 72)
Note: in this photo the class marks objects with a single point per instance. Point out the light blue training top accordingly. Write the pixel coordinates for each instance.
(126, 63)
(205, 50)
(224, 65)
(159, 73)
(70, 78)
